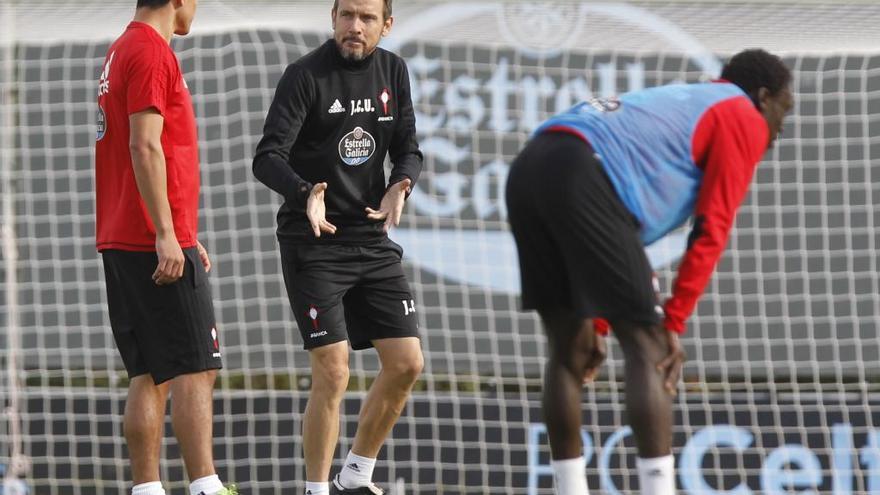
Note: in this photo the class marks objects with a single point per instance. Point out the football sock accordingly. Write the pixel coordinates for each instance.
(656, 475)
(209, 485)
(357, 471)
(151, 488)
(570, 476)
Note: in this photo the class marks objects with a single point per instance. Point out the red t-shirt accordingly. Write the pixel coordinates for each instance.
(140, 72)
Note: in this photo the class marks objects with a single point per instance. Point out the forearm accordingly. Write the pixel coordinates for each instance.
(406, 156)
(276, 174)
(706, 244)
(408, 166)
(693, 275)
(288, 111)
(148, 162)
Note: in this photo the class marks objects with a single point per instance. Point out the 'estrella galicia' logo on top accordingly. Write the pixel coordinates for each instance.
(356, 147)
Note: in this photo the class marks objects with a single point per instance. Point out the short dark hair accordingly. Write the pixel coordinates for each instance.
(152, 3)
(386, 9)
(754, 69)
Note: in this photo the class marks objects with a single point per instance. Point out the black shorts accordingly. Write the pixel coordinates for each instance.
(340, 292)
(579, 246)
(167, 330)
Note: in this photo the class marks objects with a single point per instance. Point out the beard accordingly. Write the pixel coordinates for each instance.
(352, 54)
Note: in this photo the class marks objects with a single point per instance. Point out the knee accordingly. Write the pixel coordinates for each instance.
(193, 385)
(643, 347)
(333, 376)
(330, 376)
(406, 369)
(329, 370)
(573, 359)
(575, 356)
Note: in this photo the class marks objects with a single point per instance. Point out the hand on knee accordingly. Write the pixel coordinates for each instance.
(575, 346)
(595, 357)
(580, 362)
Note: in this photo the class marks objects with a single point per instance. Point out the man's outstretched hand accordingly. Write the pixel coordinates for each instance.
(316, 211)
(391, 206)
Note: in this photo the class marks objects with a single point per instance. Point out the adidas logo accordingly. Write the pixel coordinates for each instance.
(336, 107)
(655, 473)
(354, 467)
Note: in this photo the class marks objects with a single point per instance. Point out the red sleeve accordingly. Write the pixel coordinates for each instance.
(148, 80)
(729, 141)
(601, 326)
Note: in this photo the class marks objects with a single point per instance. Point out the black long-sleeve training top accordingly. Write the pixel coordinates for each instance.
(334, 120)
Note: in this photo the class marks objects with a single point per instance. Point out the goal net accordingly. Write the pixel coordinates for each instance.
(782, 389)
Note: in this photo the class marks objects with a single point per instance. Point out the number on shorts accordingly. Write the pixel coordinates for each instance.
(408, 307)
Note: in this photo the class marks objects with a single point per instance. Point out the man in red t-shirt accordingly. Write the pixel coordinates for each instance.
(159, 299)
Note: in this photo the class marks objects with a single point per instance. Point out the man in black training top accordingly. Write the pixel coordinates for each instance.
(337, 112)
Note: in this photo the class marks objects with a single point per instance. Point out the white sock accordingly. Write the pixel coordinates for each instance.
(151, 488)
(656, 475)
(209, 485)
(570, 476)
(357, 471)
(317, 488)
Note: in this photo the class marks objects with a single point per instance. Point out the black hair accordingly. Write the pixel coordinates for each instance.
(153, 4)
(386, 7)
(754, 69)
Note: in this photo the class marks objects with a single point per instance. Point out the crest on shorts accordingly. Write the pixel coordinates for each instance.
(314, 313)
(216, 340)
